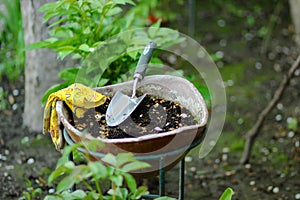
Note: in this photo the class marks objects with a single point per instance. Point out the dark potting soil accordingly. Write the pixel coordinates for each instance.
(152, 116)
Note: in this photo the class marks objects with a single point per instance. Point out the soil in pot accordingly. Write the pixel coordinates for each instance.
(152, 116)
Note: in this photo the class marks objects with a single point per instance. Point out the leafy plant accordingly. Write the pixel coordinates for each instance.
(227, 194)
(12, 55)
(102, 35)
(116, 169)
(31, 192)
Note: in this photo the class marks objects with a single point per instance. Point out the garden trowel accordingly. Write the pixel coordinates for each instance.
(121, 105)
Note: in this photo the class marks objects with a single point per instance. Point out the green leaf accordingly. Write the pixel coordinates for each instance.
(94, 145)
(131, 183)
(227, 195)
(102, 82)
(133, 52)
(78, 174)
(48, 7)
(87, 31)
(110, 159)
(165, 198)
(52, 197)
(37, 45)
(134, 166)
(292, 123)
(114, 11)
(125, 2)
(69, 74)
(123, 158)
(142, 190)
(63, 169)
(62, 54)
(84, 47)
(79, 194)
(98, 169)
(117, 180)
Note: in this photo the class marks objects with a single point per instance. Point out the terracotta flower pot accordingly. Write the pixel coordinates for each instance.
(153, 148)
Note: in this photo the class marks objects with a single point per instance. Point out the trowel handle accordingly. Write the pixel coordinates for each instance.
(144, 60)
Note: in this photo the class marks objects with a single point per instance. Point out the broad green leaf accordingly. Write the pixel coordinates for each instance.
(131, 183)
(67, 5)
(98, 169)
(52, 197)
(102, 82)
(117, 180)
(84, 47)
(123, 158)
(124, 193)
(69, 74)
(120, 193)
(77, 175)
(69, 165)
(134, 166)
(110, 159)
(65, 184)
(227, 194)
(62, 54)
(94, 145)
(79, 194)
(37, 45)
(133, 52)
(114, 11)
(87, 31)
(59, 172)
(48, 7)
(50, 15)
(142, 190)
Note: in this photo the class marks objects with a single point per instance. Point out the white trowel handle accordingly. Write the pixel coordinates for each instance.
(144, 60)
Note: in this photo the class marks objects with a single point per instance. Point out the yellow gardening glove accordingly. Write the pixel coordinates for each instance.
(79, 98)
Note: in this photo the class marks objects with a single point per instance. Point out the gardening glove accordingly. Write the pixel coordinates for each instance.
(78, 98)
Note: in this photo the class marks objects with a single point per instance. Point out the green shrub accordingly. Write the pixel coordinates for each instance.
(115, 169)
(12, 55)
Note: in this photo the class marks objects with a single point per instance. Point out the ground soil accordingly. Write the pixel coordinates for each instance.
(152, 116)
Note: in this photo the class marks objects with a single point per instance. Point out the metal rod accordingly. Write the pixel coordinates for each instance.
(191, 22)
(134, 87)
(181, 179)
(161, 177)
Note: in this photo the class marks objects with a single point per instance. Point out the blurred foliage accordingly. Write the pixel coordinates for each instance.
(102, 35)
(12, 55)
(3, 101)
(115, 169)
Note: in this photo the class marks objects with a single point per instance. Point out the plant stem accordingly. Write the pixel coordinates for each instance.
(114, 189)
(98, 189)
(88, 186)
(253, 132)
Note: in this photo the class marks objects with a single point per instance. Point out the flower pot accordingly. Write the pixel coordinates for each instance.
(159, 150)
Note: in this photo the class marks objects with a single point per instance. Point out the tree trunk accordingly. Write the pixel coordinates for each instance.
(41, 67)
(295, 14)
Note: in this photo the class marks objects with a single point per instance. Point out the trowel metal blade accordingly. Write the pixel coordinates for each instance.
(120, 108)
